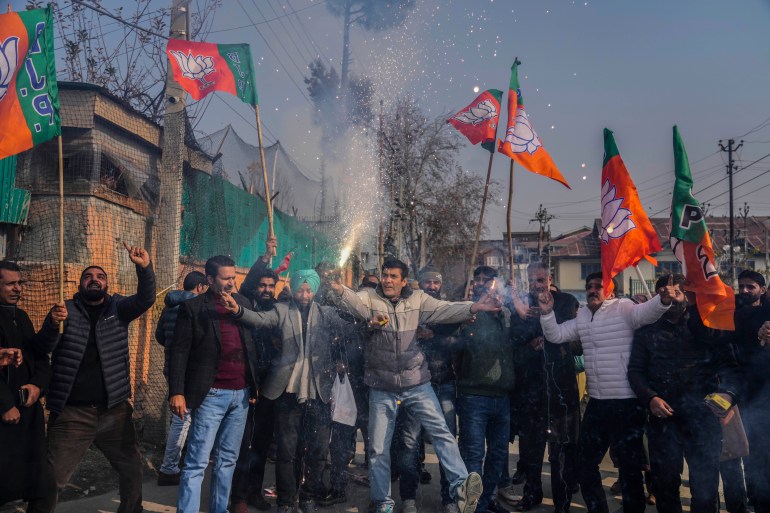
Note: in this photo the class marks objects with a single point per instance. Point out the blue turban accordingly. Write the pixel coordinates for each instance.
(308, 276)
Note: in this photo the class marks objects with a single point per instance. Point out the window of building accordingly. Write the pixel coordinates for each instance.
(665, 268)
(589, 268)
(493, 261)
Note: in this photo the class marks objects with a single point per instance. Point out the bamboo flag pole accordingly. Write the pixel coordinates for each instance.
(268, 199)
(508, 226)
(481, 222)
(61, 228)
(644, 282)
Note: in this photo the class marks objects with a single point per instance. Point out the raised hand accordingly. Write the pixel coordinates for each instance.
(668, 293)
(58, 313)
(228, 301)
(489, 302)
(271, 245)
(138, 255)
(545, 300)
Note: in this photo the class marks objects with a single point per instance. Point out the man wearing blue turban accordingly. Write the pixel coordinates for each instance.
(300, 382)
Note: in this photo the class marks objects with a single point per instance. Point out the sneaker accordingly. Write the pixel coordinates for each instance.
(409, 506)
(168, 479)
(509, 494)
(527, 503)
(383, 507)
(308, 507)
(450, 508)
(331, 498)
(270, 492)
(469, 492)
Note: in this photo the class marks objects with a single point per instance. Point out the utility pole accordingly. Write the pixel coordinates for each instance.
(744, 213)
(731, 148)
(543, 217)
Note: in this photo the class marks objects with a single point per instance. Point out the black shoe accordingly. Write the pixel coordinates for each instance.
(495, 507)
(518, 477)
(527, 503)
(425, 476)
(331, 498)
(258, 502)
(168, 479)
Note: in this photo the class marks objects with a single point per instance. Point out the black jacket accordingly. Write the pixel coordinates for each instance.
(682, 362)
(753, 357)
(164, 331)
(111, 341)
(196, 350)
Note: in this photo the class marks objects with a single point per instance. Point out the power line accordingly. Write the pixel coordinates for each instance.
(268, 21)
(110, 15)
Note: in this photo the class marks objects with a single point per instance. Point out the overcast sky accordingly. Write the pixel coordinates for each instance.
(635, 67)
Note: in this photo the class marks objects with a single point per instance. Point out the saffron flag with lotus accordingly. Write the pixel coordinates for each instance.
(201, 68)
(627, 236)
(29, 98)
(521, 142)
(691, 244)
(478, 121)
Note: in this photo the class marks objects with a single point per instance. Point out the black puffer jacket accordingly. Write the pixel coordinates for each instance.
(111, 341)
(682, 361)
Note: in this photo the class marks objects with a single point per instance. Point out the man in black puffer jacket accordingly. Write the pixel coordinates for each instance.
(195, 283)
(675, 363)
(91, 383)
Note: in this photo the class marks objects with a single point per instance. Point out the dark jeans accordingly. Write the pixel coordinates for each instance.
(71, 433)
(484, 421)
(297, 425)
(620, 423)
(411, 447)
(756, 419)
(733, 485)
(343, 443)
(692, 434)
(250, 469)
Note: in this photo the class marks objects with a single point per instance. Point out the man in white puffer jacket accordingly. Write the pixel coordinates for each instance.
(605, 328)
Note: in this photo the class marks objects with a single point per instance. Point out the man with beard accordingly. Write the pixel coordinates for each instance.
(22, 431)
(213, 372)
(752, 348)
(675, 363)
(440, 345)
(550, 398)
(300, 382)
(485, 378)
(250, 469)
(91, 382)
(605, 328)
(195, 283)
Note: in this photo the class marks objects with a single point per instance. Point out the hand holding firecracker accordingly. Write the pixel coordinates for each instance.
(719, 403)
(379, 321)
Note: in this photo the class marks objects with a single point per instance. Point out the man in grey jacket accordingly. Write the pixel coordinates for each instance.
(397, 374)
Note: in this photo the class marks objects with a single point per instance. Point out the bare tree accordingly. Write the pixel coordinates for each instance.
(436, 205)
(111, 52)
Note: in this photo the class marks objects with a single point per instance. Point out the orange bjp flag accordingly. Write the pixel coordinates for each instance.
(521, 141)
(627, 235)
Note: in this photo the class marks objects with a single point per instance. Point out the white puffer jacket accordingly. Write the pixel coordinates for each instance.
(607, 337)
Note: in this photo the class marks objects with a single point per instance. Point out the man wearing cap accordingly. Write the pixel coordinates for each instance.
(90, 387)
(300, 382)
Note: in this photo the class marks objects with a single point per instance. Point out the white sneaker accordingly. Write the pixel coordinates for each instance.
(450, 508)
(409, 506)
(469, 492)
(509, 494)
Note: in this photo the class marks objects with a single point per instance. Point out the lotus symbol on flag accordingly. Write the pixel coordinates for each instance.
(194, 67)
(481, 112)
(9, 56)
(521, 135)
(616, 221)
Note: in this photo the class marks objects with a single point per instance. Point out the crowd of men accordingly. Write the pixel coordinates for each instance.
(246, 369)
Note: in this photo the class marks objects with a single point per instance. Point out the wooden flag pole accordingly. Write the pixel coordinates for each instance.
(480, 224)
(268, 199)
(508, 226)
(61, 228)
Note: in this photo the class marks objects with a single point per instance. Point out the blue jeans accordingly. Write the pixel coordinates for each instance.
(484, 421)
(409, 442)
(422, 403)
(217, 423)
(177, 434)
